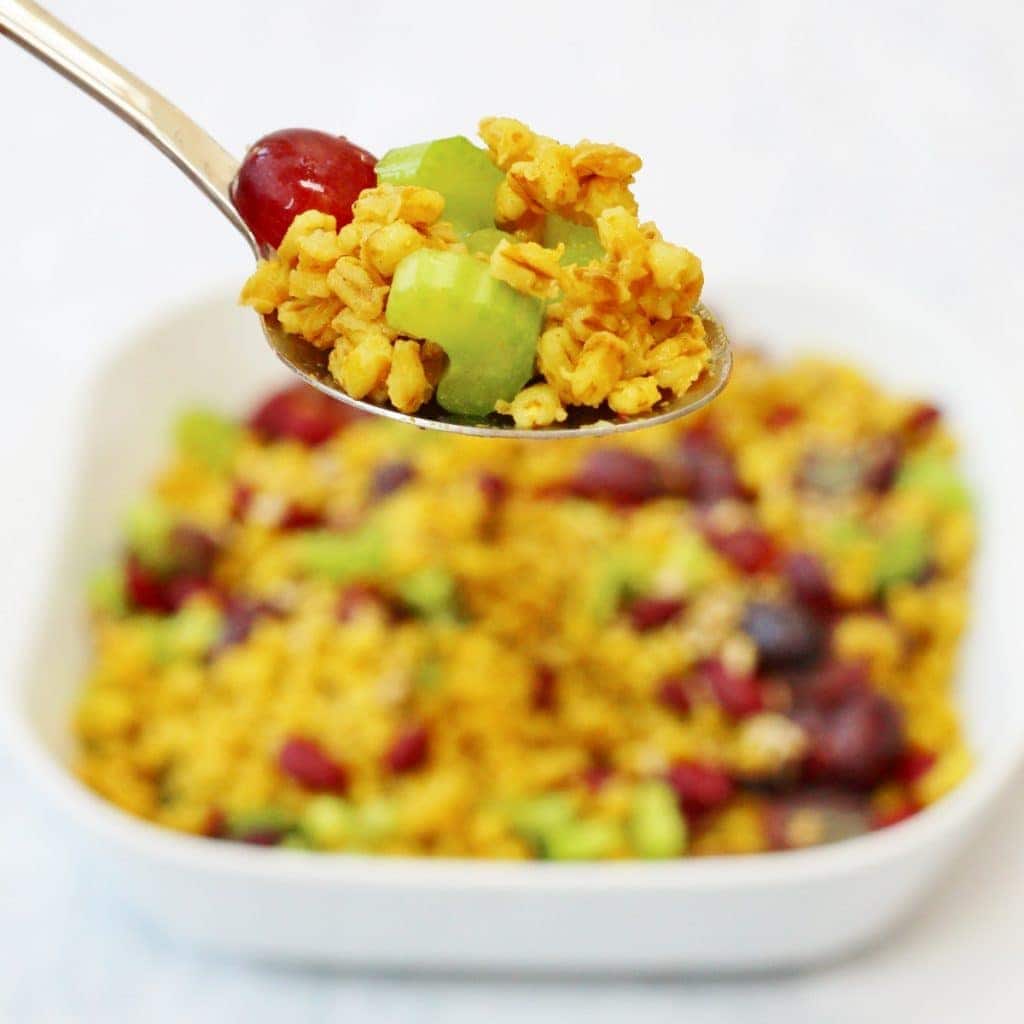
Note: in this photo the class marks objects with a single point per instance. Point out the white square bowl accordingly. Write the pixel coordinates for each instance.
(756, 912)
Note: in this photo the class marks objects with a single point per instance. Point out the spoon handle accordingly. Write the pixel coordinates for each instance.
(208, 164)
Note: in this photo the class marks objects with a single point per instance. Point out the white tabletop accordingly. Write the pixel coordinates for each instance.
(881, 141)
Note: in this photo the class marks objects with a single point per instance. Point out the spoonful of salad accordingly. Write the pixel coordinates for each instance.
(504, 290)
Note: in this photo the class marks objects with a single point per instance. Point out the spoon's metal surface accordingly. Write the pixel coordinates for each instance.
(213, 169)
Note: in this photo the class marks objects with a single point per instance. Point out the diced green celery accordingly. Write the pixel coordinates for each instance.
(937, 478)
(374, 823)
(842, 534)
(191, 632)
(208, 437)
(488, 330)
(260, 819)
(535, 817)
(617, 575)
(343, 557)
(328, 822)
(902, 555)
(431, 593)
(296, 841)
(463, 173)
(656, 827)
(582, 840)
(428, 674)
(580, 240)
(486, 240)
(147, 528)
(106, 591)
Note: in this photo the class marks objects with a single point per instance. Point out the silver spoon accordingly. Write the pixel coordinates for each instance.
(213, 169)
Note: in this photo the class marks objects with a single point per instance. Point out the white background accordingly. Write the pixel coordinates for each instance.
(879, 140)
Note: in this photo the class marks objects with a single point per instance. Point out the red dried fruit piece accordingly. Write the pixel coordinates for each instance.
(241, 501)
(808, 580)
(240, 615)
(216, 824)
(619, 476)
(545, 683)
(699, 787)
(390, 477)
(299, 517)
(749, 549)
(262, 837)
(597, 776)
(884, 819)
(145, 589)
(700, 468)
(494, 488)
(409, 750)
(782, 416)
(651, 612)
(192, 551)
(922, 419)
(298, 169)
(738, 695)
(882, 465)
(308, 764)
(180, 589)
(915, 763)
(673, 693)
(354, 598)
(301, 413)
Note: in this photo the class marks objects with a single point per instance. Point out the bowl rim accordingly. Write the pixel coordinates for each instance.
(949, 817)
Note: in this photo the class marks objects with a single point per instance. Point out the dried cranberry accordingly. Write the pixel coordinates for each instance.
(216, 824)
(651, 612)
(749, 549)
(494, 488)
(241, 502)
(699, 787)
(922, 418)
(597, 776)
(145, 589)
(409, 750)
(673, 693)
(240, 615)
(808, 580)
(308, 764)
(390, 477)
(782, 416)
(701, 469)
(545, 689)
(620, 476)
(262, 837)
(915, 762)
(855, 743)
(738, 695)
(298, 169)
(884, 819)
(180, 589)
(300, 517)
(881, 465)
(785, 635)
(192, 551)
(301, 413)
(355, 598)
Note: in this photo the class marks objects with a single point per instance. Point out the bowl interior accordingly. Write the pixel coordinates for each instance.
(212, 352)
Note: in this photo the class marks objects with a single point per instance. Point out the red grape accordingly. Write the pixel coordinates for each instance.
(298, 169)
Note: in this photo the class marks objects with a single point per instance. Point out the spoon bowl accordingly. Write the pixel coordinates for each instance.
(310, 364)
(212, 169)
